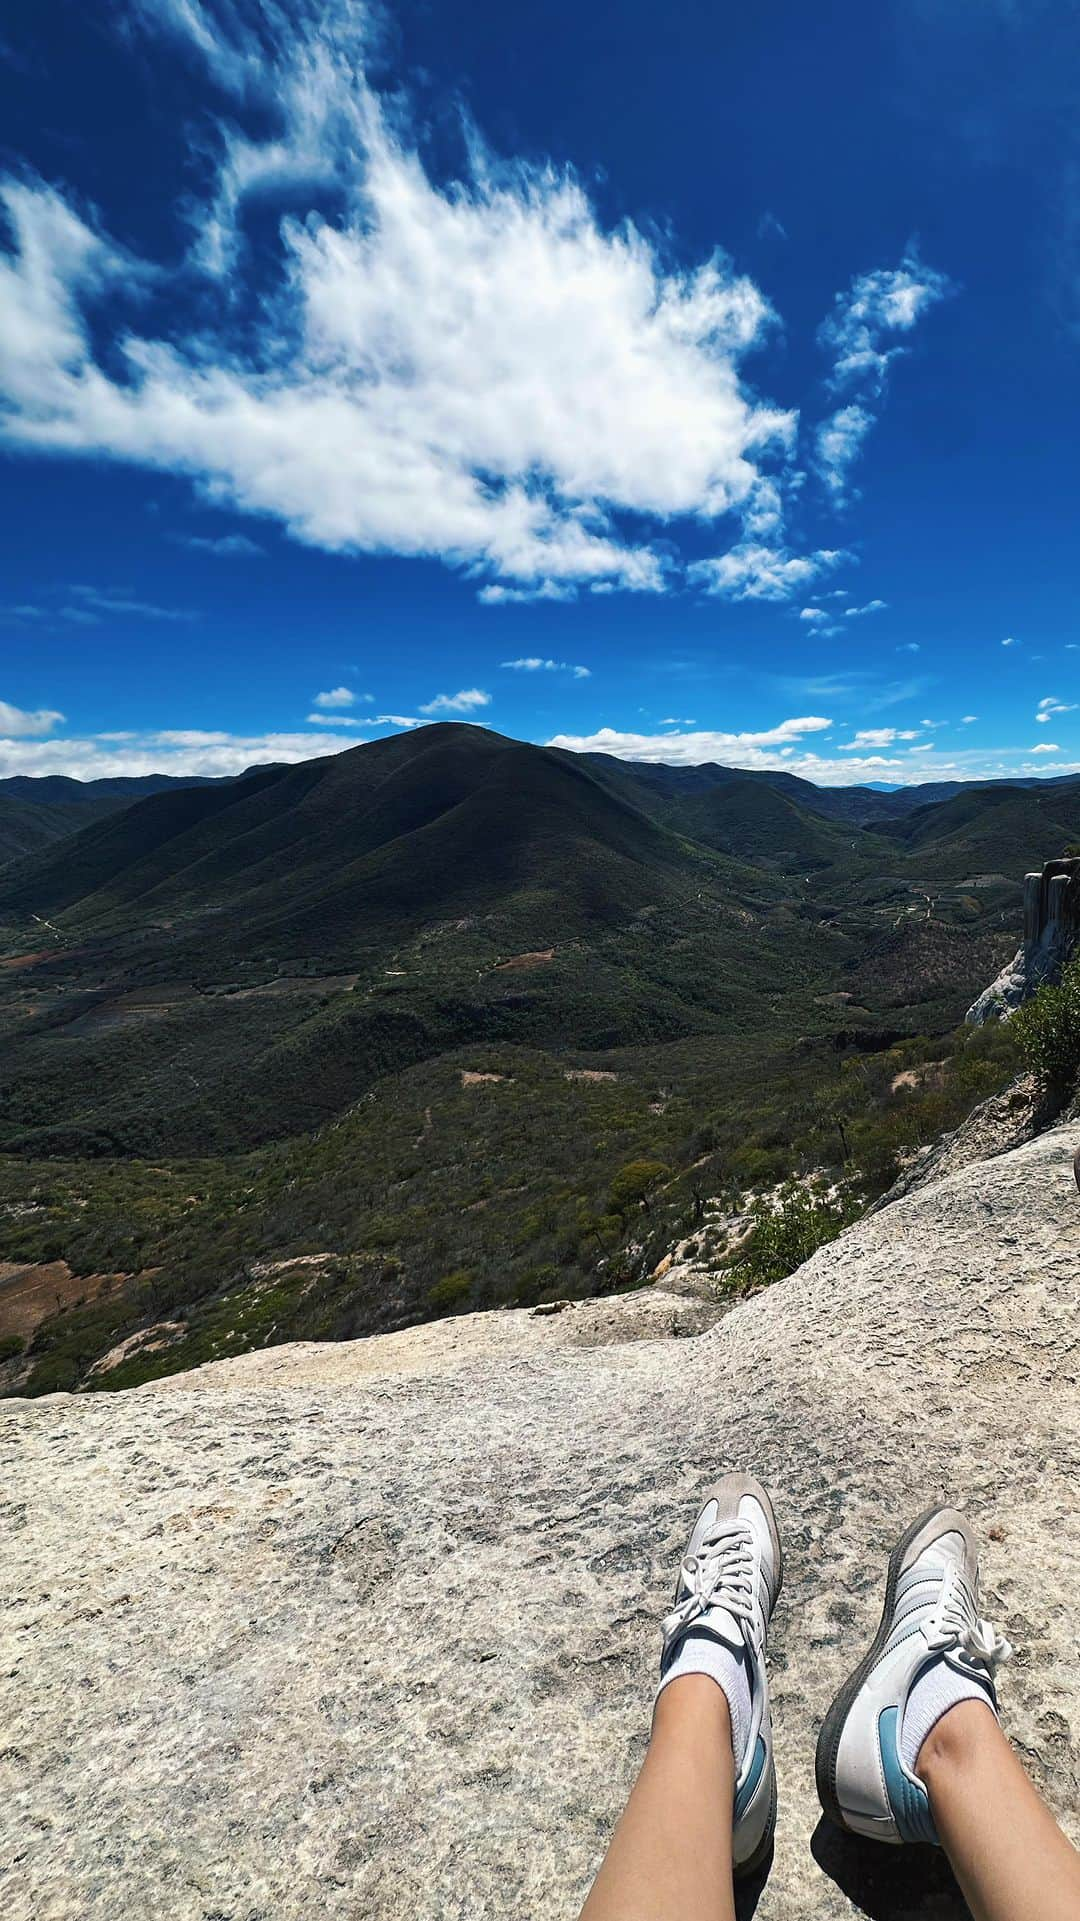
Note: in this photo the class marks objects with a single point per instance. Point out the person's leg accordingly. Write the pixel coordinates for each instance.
(911, 1749)
(670, 1856)
(1007, 1852)
(704, 1804)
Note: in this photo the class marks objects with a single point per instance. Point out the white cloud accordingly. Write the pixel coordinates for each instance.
(174, 750)
(815, 614)
(15, 722)
(495, 596)
(968, 720)
(532, 664)
(871, 607)
(837, 445)
(908, 647)
(337, 720)
(337, 697)
(750, 572)
(1047, 708)
(225, 546)
(468, 701)
(1008, 641)
(860, 336)
(878, 306)
(878, 737)
(481, 373)
(701, 746)
(1045, 747)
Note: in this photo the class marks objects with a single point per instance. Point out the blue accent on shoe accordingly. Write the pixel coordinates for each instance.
(745, 1794)
(908, 1800)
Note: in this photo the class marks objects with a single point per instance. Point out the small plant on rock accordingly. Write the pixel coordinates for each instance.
(1048, 1030)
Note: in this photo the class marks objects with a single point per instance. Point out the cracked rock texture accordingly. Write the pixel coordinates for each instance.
(369, 1631)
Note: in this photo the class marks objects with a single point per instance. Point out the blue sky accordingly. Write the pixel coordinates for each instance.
(695, 386)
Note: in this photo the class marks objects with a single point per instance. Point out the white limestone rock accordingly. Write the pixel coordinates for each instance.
(338, 1633)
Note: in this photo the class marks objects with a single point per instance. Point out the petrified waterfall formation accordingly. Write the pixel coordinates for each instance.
(1051, 930)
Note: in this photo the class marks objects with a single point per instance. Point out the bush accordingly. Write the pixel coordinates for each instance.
(785, 1235)
(10, 1345)
(1048, 1030)
(448, 1294)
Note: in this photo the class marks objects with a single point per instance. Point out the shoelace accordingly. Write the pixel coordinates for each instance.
(957, 1623)
(720, 1574)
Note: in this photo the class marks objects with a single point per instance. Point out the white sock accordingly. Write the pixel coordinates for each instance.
(701, 1653)
(937, 1689)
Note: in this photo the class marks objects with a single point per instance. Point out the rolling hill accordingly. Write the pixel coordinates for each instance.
(420, 1012)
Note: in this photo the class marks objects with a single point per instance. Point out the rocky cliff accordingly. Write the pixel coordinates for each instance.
(1051, 931)
(369, 1630)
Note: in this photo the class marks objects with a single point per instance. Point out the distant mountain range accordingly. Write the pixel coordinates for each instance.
(418, 1006)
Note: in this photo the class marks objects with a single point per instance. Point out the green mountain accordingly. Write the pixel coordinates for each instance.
(451, 1020)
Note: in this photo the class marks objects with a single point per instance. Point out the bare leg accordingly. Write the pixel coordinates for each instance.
(670, 1856)
(1008, 1853)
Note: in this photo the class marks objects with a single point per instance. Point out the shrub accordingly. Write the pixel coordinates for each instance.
(633, 1183)
(1048, 1030)
(786, 1233)
(448, 1294)
(10, 1345)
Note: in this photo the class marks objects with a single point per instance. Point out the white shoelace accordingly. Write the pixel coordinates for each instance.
(721, 1574)
(957, 1623)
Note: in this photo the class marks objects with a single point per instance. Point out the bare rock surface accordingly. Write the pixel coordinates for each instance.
(347, 1632)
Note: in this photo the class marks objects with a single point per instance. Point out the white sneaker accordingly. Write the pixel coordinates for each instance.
(727, 1589)
(930, 1615)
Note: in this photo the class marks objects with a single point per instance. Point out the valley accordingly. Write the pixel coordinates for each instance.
(450, 1022)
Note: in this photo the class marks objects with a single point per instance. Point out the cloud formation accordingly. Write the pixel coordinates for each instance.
(532, 664)
(468, 700)
(17, 724)
(752, 572)
(479, 372)
(475, 370)
(861, 338)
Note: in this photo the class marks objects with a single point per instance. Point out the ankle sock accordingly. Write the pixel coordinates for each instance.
(701, 1653)
(937, 1689)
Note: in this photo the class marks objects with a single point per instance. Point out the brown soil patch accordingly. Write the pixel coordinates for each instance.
(18, 961)
(468, 1079)
(521, 961)
(930, 1075)
(30, 1293)
(588, 1074)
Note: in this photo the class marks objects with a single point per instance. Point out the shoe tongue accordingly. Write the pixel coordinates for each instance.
(722, 1626)
(947, 1551)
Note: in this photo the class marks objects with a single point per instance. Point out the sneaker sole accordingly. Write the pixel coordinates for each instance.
(743, 1869)
(832, 1728)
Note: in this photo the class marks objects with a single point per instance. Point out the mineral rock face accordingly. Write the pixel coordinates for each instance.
(1051, 929)
(363, 1631)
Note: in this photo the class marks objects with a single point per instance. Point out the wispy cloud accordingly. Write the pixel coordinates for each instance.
(496, 596)
(862, 338)
(468, 700)
(1009, 641)
(532, 664)
(16, 723)
(339, 697)
(225, 546)
(751, 572)
(877, 737)
(968, 720)
(1047, 708)
(871, 607)
(1045, 747)
(98, 604)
